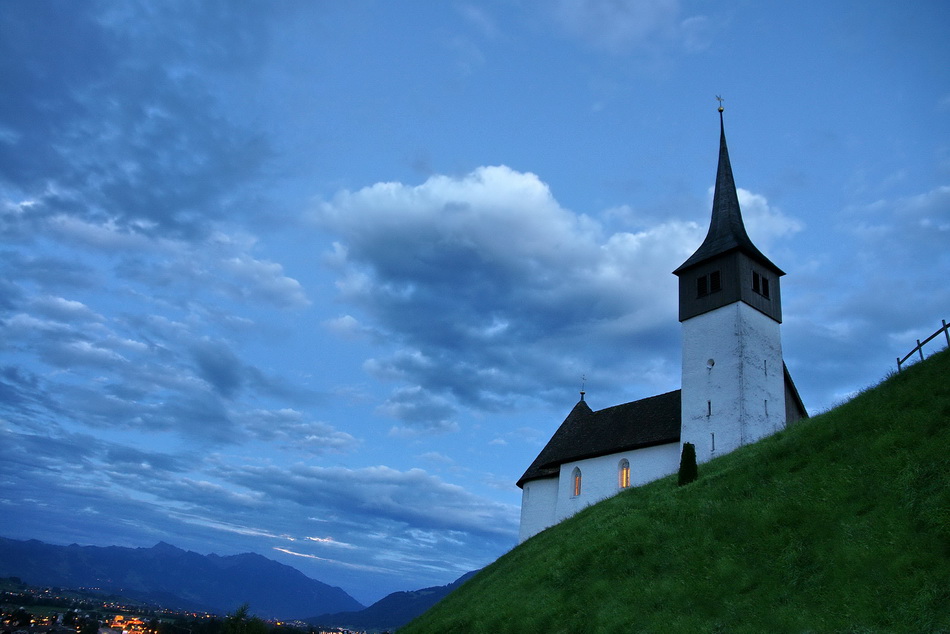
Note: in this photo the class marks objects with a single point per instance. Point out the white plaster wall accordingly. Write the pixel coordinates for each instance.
(654, 463)
(538, 503)
(740, 397)
(600, 476)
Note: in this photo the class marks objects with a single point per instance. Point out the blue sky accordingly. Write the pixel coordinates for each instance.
(318, 279)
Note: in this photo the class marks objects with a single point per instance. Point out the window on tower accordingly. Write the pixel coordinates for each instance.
(576, 482)
(706, 284)
(624, 474)
(760, 284)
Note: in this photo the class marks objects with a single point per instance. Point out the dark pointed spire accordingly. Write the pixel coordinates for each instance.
(726, 230)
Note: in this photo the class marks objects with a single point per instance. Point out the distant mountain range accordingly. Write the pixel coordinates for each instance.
(175, 578)
(392, 611)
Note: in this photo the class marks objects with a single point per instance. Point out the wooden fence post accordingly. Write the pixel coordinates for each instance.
(920, 346)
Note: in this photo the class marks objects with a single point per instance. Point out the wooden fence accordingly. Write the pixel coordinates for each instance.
(920, 345)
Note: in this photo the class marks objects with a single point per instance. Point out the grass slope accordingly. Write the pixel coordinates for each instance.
(839, 524)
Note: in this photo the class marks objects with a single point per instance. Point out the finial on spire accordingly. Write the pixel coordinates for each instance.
(583, 384)
(720, 100)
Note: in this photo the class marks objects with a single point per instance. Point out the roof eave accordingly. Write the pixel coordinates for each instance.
(693, 261)
(552, 469)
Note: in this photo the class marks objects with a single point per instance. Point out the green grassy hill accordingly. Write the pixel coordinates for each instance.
(839, 524)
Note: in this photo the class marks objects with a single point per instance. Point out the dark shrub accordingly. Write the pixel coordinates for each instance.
(688, 470)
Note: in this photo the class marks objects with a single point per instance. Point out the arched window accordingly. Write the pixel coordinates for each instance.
(623, 474)
(576, 482)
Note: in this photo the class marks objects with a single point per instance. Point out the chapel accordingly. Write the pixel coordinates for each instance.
(735, 386)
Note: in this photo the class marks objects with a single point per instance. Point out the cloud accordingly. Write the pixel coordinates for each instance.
(75, 480)
(347, 326)
(921, 221)
(437, 458)
(159, 489)
(380, 493)
(420, 410)
(128, 369)
(291, 428)
(393, 522)
(265, 280)
(111, 121)
(99, 234)
(49, 272)
(622, 25)
(765, 223)
(64, 310)
(121, 179)
(159, 362)
(217, 265)
(489, 292)
(834, 317)
(219, 366)
(145, 463)
(887, 238)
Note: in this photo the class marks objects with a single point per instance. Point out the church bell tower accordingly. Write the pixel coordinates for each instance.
(733, 390)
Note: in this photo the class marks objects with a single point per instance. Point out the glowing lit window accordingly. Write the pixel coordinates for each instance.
(624, 474)
(576, 479)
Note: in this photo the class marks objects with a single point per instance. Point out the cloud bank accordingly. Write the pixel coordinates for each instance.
(490, 294)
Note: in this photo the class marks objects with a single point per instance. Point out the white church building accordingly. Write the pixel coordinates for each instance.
(735, 389)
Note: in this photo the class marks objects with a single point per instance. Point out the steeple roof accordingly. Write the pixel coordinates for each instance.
(726, 231)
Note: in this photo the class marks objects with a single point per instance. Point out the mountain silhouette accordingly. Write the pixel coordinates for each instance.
(175, 578)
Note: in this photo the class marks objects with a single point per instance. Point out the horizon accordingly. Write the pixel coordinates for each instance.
(210, 554)
(318, 281)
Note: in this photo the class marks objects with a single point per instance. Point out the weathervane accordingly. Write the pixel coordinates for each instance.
(583, 384)
(719, 99)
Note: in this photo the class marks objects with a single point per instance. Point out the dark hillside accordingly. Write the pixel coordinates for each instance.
(175, 578)
(839, 524)
(392, 611)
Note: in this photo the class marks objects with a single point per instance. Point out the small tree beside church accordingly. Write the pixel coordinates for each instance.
(688, 471)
